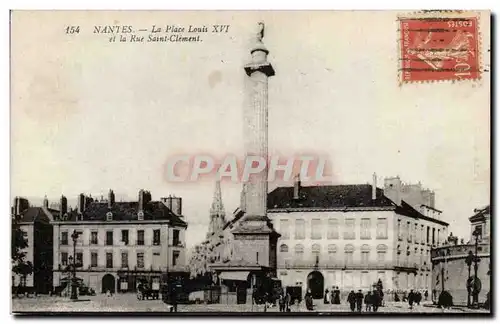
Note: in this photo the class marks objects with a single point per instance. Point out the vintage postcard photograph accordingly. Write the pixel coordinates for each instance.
(261, 162)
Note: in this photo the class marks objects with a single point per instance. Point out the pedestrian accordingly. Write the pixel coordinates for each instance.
(426, 295)
(326, 298)
(309, 300)
(359, 301)
(418, 298)
(332, 295)
(288, 302)
(282, 302)
(411, 298)
(376, 300)
(336, 299)
(368, 301)
(351, 299)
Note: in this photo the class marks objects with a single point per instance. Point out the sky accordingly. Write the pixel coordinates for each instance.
(88, 115)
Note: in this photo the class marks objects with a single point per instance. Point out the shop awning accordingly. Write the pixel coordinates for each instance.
(234, 275)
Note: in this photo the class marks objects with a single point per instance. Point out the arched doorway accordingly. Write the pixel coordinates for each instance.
(108, 283)
(316, 283)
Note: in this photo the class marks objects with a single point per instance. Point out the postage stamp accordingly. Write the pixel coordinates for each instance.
(439, 48)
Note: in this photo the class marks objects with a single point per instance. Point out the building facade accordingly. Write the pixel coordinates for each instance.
(451, 272)
(350, 236)
(119, 242)
(35, 223)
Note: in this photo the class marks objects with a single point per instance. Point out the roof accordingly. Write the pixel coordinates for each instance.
(328, 197)
(33, 214)
(126, 211)
(480, 213)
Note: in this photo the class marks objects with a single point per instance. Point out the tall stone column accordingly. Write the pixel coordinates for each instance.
(255, 239)
(256, 122)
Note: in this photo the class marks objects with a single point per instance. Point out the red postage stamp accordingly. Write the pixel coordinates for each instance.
(435, 49)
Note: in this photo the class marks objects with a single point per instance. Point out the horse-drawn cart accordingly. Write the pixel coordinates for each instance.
(148, 289)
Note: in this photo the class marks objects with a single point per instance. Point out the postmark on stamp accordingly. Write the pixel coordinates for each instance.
(439, 48)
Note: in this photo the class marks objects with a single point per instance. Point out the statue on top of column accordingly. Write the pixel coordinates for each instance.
(260, 31)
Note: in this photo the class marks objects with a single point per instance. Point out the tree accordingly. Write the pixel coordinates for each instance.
(20, 266)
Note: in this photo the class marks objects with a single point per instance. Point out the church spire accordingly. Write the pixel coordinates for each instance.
(217, 212)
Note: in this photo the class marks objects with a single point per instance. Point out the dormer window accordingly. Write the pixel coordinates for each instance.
(140, 215)
(109, 216)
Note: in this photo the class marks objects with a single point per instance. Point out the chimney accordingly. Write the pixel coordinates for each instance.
(141, 200)
(17, 206)
(63, 208)
(111, 198)
(374, 186)
(296, 187)
(82, 203)
(392, 189)
(176, 205)
(45, 202)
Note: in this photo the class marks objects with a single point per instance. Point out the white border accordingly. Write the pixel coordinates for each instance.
(184, 4)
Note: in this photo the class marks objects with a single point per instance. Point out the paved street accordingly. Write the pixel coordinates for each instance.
(129, 303)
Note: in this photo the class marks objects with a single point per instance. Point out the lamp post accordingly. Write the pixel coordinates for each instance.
(475, 287)
(468, 260)
(74, 295)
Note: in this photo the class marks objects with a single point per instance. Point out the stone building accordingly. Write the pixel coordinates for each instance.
(352, 235)
(119, 242)
(449, 267)
(35, 223)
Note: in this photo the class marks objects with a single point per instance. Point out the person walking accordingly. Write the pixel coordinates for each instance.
(336, 299)
(326, 298)
(351, 299)
(426, 295)
(368, 301)
(282, 302)
(376, 300)
(288, 302)
(411, 298)
(309, 300)
(359, 301)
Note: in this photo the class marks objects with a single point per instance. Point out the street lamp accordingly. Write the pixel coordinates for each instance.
(475, 287)
(468, 260)
(72, 260)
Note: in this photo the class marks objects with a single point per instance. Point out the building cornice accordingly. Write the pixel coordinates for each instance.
(329, 209)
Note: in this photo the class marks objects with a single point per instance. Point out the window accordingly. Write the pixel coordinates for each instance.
(416, 233)
(409, 232)
(381, 257)
(365, 257)
(284, 248)
(64, 238)
(422, 234)
(398, 258)
(332, 252)
(93, 237)
(124, 259)
(382, 228)
(64, 258)
(79, 259)
(175, 258)
(176, 237)
(433, 236)
(300, 229)
(365, 229)
(140, 238)
(400, 234)
(156, 259)
(349, 233)
(316, 229)
(348, 254)
(156, 237)
(285, 229)
(348, 282)
(125, 236)
(140, 260)
(109, 260)
(93, 259)
(333, 229)
(109, 237)
(438, 237)
(365, 279)
(299, 252)
(109, 216)
(428, 235)
(422, 257)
